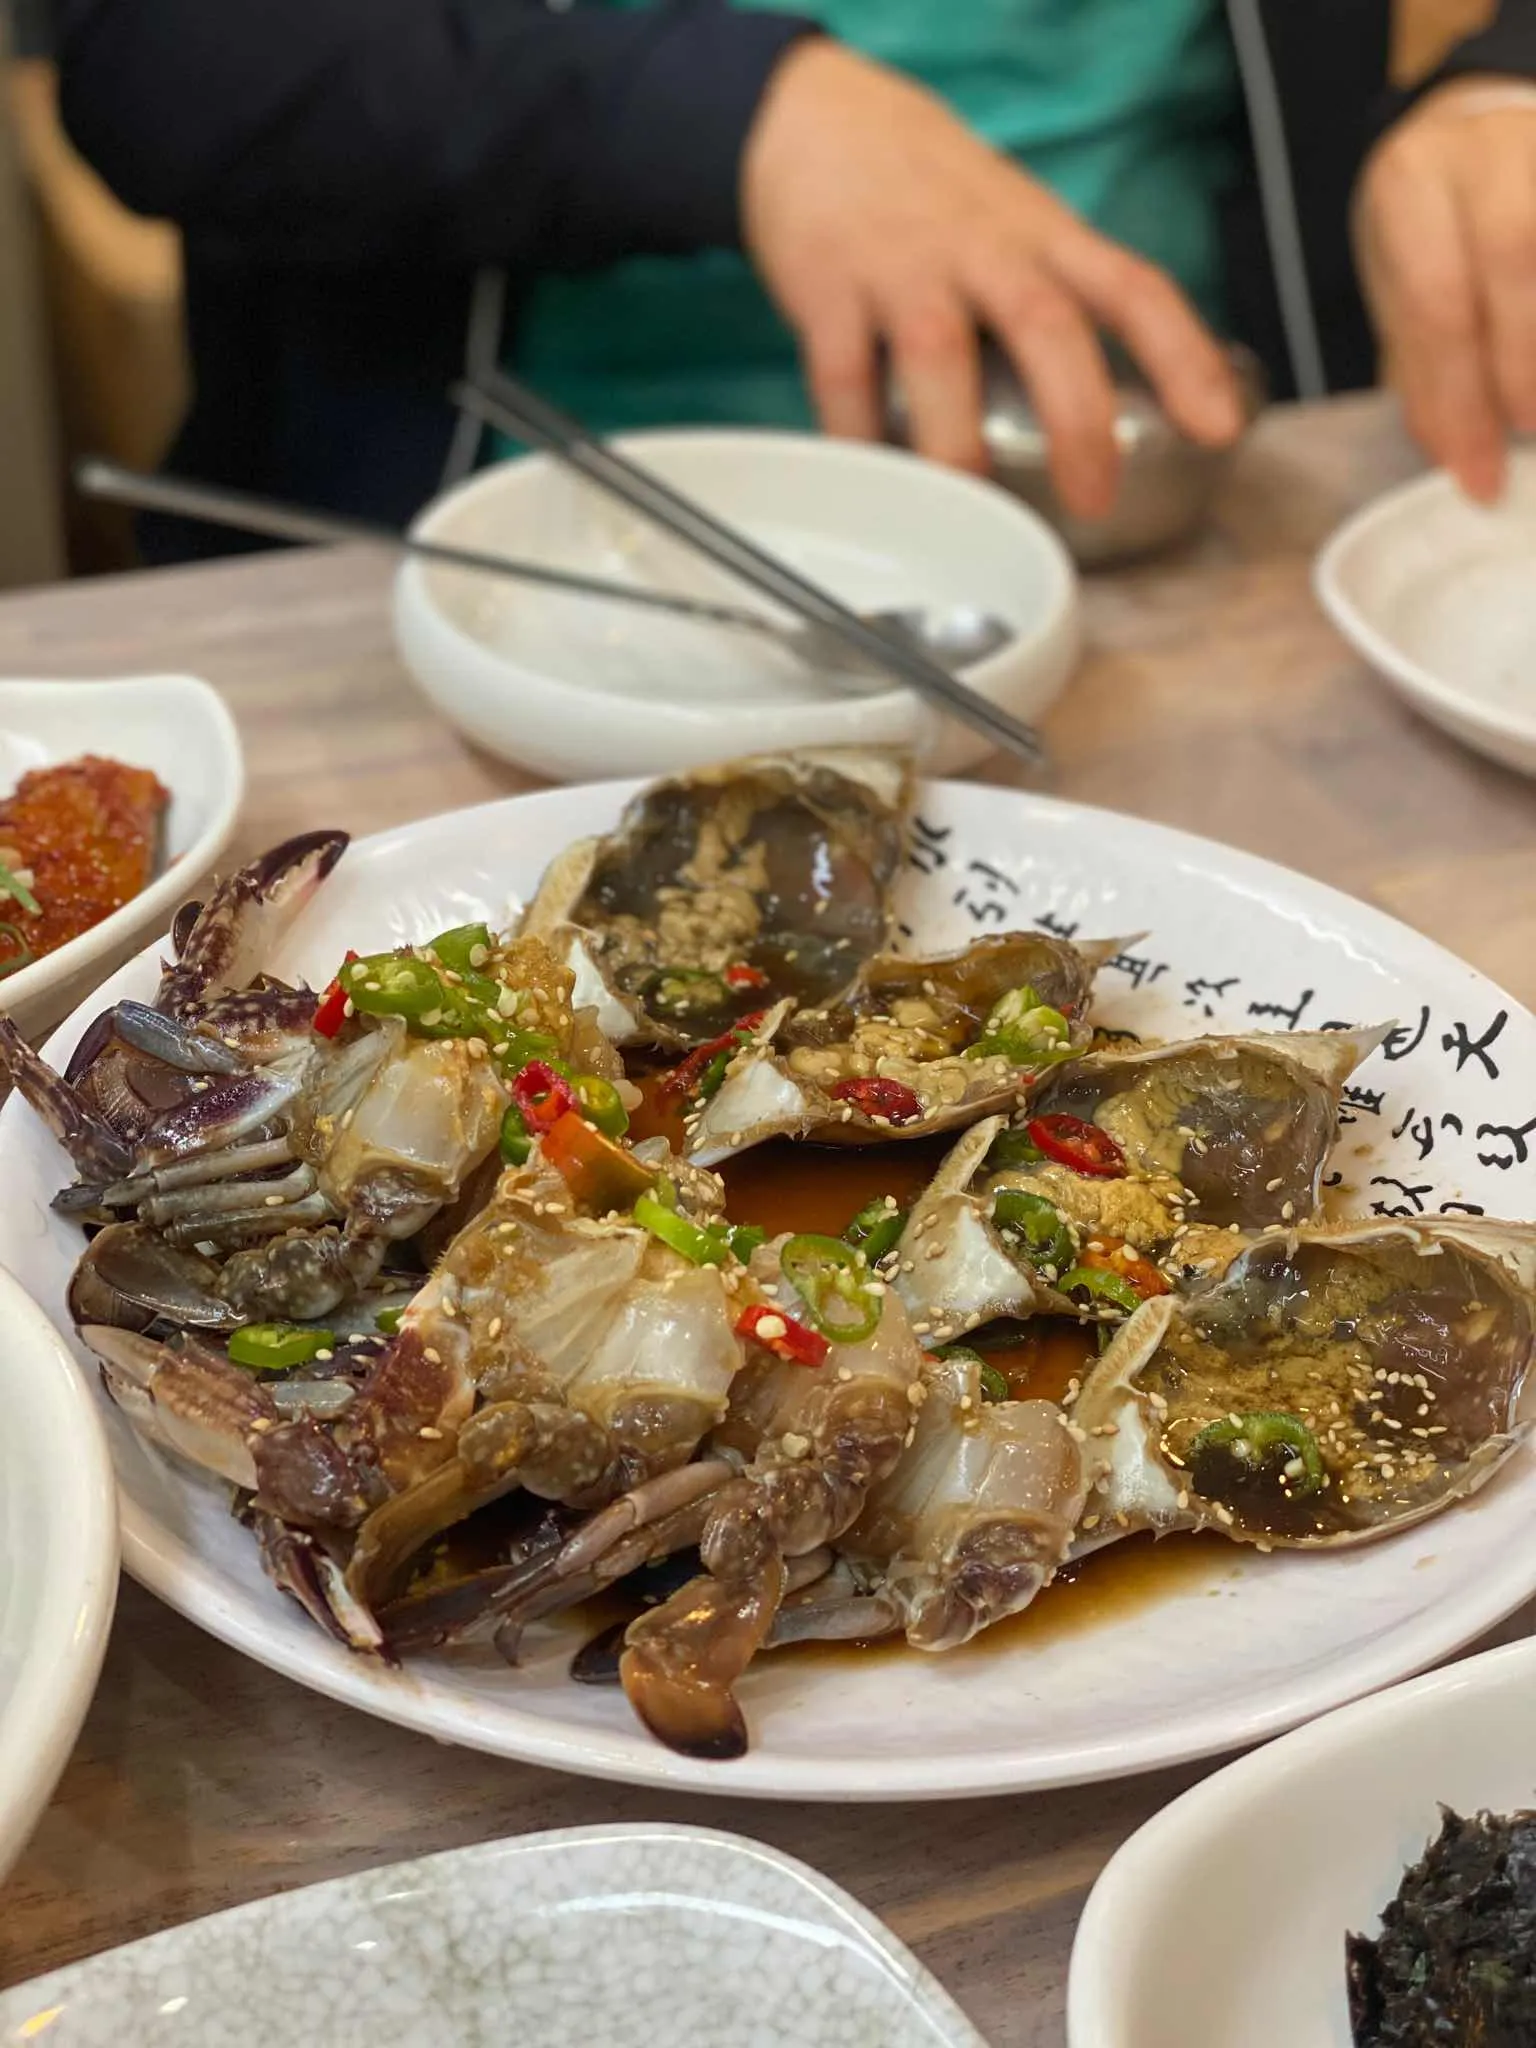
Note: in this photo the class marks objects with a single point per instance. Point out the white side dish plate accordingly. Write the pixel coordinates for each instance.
(1441, 1118)
(1439, 595)
(605, 1936)
(1221, 1923)
(174, 725)
(58, 1560)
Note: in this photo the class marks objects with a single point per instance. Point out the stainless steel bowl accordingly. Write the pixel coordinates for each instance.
(1167, 481)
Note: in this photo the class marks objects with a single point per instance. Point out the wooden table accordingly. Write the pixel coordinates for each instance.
(1214, 697)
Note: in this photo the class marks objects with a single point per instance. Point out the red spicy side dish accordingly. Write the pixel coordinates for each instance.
(77, 840)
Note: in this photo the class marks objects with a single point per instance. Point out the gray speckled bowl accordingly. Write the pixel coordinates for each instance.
(599, 1936)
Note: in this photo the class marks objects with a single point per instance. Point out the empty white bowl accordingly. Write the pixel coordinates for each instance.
(1439, 595)
(575, 687)
(1221, 1923)
(174, 725)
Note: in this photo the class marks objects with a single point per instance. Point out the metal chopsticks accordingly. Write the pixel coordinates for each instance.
(500, 401)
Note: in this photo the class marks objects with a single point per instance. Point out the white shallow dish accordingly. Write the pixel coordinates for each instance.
(1221, 1923)
(603, 1936)
(576, 688)
(58, 1560)
(1265, 1642)
(1439, 595)
(174, 725)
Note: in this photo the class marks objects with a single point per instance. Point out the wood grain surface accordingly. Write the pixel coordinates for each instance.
(1215, 697)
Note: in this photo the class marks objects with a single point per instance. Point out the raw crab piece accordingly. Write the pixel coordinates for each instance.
(976, 1518)
(914, 1023)
(778, 867)
(222, 1121)
(818, 1438)
(570, 1355)
(1334, 1386)
(1244, 1123)
(953, 1269)
(1249, 1120)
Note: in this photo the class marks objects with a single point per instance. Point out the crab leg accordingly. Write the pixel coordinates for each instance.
(91, 1143)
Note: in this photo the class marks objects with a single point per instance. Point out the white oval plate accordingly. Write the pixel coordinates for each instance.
(1221, 1923)
(593, 1935)
(1268, 1642)
(58, 1559)
(176, 726)
(1439, 595)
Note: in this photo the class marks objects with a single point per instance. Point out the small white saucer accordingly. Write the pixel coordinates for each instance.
(1439, 595)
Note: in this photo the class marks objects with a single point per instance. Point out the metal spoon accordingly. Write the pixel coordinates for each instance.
(955, 636)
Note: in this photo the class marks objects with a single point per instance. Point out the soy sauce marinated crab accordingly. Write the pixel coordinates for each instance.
(255, 1149)
(976, 1518)
(1334, 1385)
(562, 1347)
(913, 1048)
(727, 889)
(1130, 1172)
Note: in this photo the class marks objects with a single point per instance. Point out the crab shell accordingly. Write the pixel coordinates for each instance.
(854, 804)
(763, 1096)
(1257, 1177)
(1121, 1419)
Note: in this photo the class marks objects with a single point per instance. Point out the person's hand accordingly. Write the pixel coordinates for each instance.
(1445, 223)
(874, 215)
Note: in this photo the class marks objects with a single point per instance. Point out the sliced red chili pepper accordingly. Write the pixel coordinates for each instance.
(891, 1102)
(687, 1074)
(542, 1095)
(602, 1175)
(782, 1335)
(1083, 1147)
(741, 975)
(331, 1013)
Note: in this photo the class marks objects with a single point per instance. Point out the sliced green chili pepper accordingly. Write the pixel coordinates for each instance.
(600, 1103)
(824, 1271)
(1038, 1226)
(1012, 1148)
(388, 1320)
(465, 949)
(516, 1143)
(1252, 1440)
(994, 1384)
(1023, 1029)
(394, 985)
(277, 1347)
(699, 1246)
(1100, 1286)
(683, 992)
(877, 1228)
(744, 1239)
(18, 891)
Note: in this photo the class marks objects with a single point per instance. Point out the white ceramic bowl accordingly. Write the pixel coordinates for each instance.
(575, 688)
(176, 726)
(601, 1936)
(1439, 595)
(58, 1559)
(1221, 1923)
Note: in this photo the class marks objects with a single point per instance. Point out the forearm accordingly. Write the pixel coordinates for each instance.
(449, 131)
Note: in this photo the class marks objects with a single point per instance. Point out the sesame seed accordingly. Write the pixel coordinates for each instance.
(493, 1328)
(1273, 1186)
(273, 1201)
(432, 1356)
(429, 1434)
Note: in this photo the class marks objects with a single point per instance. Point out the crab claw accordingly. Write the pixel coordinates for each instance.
(93, 1145)
(187, 1397)
(295, 1562)
(234, 934)
(682, 1660)
(127, 1275)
